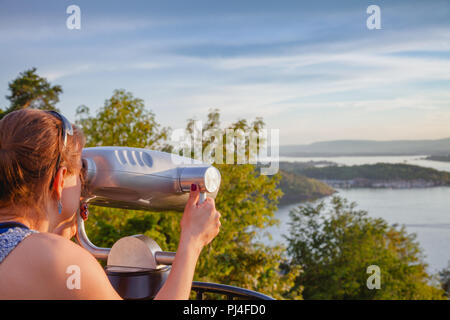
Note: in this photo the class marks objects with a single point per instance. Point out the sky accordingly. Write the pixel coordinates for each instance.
(311, 69)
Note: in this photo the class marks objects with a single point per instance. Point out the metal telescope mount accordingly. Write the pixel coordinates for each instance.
(142, 179)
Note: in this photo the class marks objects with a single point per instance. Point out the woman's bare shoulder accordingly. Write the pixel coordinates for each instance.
(48, 249)
(48, 266)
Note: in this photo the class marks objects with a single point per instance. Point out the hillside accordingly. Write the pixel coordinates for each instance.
(443, 158)
(368, 148)
(297, 188)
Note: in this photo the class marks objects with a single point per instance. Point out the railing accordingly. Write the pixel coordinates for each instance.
(230, 292)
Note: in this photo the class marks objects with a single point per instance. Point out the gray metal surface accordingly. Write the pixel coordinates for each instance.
(83, 240)
(133, 178)
(164, 257)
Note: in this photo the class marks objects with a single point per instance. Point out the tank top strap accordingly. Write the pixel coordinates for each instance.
(4, 226)
(11, 234)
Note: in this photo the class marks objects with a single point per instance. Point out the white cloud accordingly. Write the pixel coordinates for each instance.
(371, 72)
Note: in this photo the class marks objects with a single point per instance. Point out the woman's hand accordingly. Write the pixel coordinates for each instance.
(200, 222)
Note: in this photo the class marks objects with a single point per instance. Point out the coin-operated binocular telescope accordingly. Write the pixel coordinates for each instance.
(133, 178)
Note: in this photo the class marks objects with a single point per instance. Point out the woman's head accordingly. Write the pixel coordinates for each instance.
(30, 143)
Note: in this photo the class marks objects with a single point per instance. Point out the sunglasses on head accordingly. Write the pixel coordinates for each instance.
(66, 129)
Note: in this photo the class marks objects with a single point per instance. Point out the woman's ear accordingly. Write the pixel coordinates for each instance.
(58, 184)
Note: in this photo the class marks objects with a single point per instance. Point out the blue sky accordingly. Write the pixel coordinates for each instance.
(310, 68)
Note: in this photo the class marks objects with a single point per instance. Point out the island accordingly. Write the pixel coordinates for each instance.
(380, 175)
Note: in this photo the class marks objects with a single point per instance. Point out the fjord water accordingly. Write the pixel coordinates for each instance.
(424, 211)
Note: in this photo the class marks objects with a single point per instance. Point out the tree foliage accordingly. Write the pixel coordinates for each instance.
(122, 121)
(334, 245)
(247, 201)
(444, 279)
(31, 90)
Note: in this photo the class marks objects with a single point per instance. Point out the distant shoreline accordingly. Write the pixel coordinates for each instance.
(335, 155)
(368, 148)
(439, 158)
(375, 176)
(383, 184)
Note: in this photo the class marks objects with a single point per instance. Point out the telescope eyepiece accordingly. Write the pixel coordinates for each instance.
(212, 179)
(206, 177)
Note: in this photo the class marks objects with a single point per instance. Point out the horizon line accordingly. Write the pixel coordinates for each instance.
(366, 140)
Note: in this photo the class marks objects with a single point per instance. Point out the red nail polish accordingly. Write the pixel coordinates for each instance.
(193, 187)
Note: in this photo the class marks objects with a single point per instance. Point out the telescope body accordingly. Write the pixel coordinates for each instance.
(134, 178)
(142, 179)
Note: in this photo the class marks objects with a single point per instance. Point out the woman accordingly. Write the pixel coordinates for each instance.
(40, 187)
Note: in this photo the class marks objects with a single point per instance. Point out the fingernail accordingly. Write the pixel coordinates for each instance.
(193, 187)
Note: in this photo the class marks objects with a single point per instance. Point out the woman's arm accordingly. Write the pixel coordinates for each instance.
(179, 282)
(48, 266)
(199, 225)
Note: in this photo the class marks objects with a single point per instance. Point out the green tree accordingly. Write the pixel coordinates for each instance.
(247, 201)
(31, 90)
(123, 121)
(444, 279)
(335, 244)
